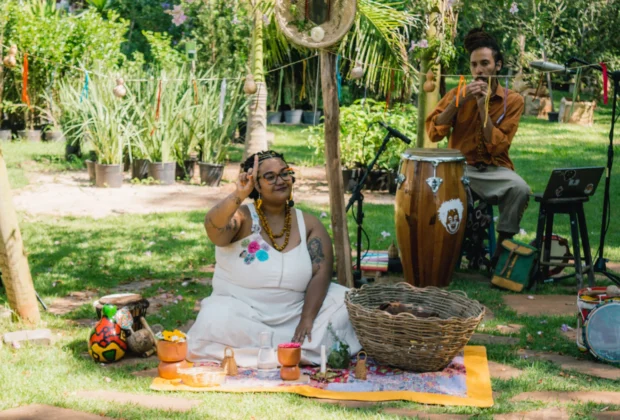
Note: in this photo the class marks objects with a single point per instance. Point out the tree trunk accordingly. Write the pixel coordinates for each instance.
(13, 261)
(256, 139)
(331, 108)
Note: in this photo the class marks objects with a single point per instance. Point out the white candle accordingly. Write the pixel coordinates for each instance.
(323, 360)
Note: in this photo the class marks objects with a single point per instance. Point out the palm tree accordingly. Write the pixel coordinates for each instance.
(378, 40)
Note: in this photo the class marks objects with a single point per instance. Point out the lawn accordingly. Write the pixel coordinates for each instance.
(70, 254)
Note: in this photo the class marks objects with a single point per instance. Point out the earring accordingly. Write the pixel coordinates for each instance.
(259, 202)
(290, 201)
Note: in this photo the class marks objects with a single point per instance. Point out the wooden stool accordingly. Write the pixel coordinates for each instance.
(579, 232)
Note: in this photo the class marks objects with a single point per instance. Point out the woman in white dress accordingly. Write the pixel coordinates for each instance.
(272, 274)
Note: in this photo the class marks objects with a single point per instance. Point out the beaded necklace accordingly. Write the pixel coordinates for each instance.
(285, 231)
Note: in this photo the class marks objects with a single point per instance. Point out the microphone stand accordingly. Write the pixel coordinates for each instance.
(359, 197)
(600, 263)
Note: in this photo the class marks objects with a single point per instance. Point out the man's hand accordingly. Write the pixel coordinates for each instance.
(475, 90)
(303, 330)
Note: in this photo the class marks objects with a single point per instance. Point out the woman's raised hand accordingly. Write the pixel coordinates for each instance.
(247, 180)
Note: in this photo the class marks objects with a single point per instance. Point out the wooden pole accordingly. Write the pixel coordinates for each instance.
(427, 100)
(13, 260)
(331, 109)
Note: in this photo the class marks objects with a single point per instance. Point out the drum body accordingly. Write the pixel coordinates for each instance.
(588, 301)
(134, 302)
(431, 214)
(601, 332)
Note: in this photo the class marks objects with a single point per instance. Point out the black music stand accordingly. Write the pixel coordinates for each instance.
(600, 265)
(359, 219)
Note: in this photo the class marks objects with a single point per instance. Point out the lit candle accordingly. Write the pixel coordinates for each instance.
(323, 360)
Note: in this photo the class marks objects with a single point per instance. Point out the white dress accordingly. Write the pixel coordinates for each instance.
(257, 288)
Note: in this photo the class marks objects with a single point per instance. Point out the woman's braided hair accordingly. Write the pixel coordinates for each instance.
(478, 38)
(249, 163)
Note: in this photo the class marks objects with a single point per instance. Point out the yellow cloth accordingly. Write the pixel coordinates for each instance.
(479, 392)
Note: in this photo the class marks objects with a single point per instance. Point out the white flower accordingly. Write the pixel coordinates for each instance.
(385, 234)
(423, 44)
(514, 9)
(522, 232)
(175, 338)
(235, 20)
(323, 215)
(178, 15)
(412, 46)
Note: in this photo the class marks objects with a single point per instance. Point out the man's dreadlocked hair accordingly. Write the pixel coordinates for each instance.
(478, 38)
(249, 163)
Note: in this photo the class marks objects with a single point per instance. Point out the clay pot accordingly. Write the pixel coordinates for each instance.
(289, 358)
(168, 370)
(168, 351)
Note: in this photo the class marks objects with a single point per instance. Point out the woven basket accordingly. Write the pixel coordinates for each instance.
(404, 340)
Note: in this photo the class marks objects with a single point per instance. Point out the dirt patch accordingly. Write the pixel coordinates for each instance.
(545, 414)
(71, 302)
(158, 402)
(510, 328)
(487, 339)
(586, 367)
(48, 412)
(537, 305)
(71, 194)
(501, 371)
(598, 397)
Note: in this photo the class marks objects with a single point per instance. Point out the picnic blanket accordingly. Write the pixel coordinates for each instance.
(465, 382)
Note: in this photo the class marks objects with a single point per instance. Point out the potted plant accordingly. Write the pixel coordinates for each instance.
(292, 115)
(52, 114)
(109, 130)
(215, 135)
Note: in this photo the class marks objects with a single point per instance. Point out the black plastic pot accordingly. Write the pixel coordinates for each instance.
(553, 116)
(293, 116)
(54, 136)
(33, 136)
(73, 150)
(274, 117)
(187, 170)
(140, 169)
(92, 171)
(311, 117)
(108, 176)
(163, 172)
(211, 173)
(5, 135)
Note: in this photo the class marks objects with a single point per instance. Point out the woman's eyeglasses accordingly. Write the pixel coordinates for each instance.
(272, 177)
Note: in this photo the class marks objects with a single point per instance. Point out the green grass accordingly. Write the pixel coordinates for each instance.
(70, 253)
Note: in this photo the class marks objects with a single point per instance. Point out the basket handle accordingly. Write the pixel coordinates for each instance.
(232, 353)
(359, 355)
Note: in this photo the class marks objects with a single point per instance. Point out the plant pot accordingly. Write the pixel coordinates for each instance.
(274, 117)
(553, 116)
(293, 116)
(346, 179)
(378, 181)
(54, 136)
(108, 176)
(33, 136)
(187, 170)
(92, 172)
(168, 370)
(311, 117)
(140, 169)
(169, 351)
(72, 150)
(211, 173)
(5, 135)
(163, 172)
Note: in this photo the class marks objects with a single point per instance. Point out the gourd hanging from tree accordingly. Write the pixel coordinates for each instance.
(357, 72)
(120, 90)
(10, 61)
(429, 85)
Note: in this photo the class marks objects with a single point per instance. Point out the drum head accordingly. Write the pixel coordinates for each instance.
(429, 155)
(120, 299)
(602, 332)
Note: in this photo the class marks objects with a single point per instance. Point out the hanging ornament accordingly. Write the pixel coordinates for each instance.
(317, 34)
(361, 371)
(229, 364)
(429, 85)
(249, 87)
(358, 71)
(10, 61)
(120, 90)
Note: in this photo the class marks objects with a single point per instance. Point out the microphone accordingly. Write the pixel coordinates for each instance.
(396, 133)
(547, 66)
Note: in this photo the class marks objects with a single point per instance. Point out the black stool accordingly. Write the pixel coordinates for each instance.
(579, 232)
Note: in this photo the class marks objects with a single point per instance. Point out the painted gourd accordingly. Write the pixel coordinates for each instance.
(107, 342)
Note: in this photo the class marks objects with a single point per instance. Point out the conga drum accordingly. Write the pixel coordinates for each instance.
(136, 304)
(431, 214)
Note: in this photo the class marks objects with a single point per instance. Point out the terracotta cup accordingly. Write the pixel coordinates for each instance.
(168, 370)
(168, 351)
(289, 358)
